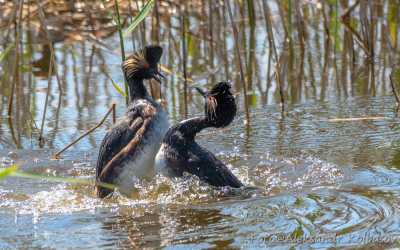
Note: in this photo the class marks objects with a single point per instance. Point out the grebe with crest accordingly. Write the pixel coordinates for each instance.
(128, 149)
(179, 152)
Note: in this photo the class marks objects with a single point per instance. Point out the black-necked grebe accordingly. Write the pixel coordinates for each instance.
(129, 147)
(179, 151)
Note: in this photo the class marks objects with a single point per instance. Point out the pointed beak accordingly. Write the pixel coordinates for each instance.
(158, 76)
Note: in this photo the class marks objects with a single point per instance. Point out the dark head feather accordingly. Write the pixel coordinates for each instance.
(220, 105)
(143, 64)
(153, 54)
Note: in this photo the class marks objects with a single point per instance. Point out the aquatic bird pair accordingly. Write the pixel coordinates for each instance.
(142, 144)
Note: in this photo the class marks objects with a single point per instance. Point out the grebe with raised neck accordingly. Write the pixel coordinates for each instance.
(179, 151)
(128, 149)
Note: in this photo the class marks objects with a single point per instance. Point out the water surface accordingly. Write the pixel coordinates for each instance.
(311, 181)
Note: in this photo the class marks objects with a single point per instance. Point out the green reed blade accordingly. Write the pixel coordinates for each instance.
(13, 171)
(8, 171)
(118, 88)
(59, 179)
(138, 18)
(4, 53)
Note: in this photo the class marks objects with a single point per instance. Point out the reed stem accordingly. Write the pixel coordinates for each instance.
(242, 77)
(16, 63)
(42, 18)
(184, 64)
(41, 139)
(121, 43)
(394, 90)
(110, 110)
(271, 42)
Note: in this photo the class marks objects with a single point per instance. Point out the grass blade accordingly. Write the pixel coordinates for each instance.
(59, 179)
(118, 88)
(13, 171)
(8, 171)
(6, 51)
(139, 17)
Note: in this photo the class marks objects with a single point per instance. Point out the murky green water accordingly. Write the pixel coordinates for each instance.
(312, 181)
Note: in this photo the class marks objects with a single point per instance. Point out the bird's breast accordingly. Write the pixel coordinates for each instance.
(141, 164)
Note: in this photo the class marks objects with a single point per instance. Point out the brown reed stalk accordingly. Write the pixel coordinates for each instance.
(210, 32)
(121, 43)
(16, 46)
(121, 39)
(224, 44)
(204, 18)
(184, 56)
(17, 29)
(42, 18)
(130, 21)
(302, 36)
(52, 64)
(111, 109)
(268, 73)
(242, 77)
(41, 139)
(271, 42)
(142, 28)
(345, 19)
(394, 90)
(327, 35)
(252, 43)
(10, 124)
(157, 34)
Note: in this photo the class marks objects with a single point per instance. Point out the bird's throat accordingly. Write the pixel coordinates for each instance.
(137, 90)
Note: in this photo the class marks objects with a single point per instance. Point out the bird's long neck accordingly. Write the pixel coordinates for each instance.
(137, 90)
(189, 128)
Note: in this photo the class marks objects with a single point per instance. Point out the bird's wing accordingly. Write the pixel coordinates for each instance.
(210, 169)
(119, 143)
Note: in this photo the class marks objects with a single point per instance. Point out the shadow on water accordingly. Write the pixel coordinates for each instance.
(321, 180)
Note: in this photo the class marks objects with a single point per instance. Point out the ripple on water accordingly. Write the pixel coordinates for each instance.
(297, 197)
(337, 217)
(268, 176)
(275, 174)
(65, 198)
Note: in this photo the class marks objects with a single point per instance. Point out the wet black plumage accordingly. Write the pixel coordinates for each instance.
(180, 153)
(125, 140)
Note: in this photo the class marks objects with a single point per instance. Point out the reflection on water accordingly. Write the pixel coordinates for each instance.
(303, 189)
(312, 181)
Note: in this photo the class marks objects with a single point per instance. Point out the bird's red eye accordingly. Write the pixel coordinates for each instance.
(146, 66)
